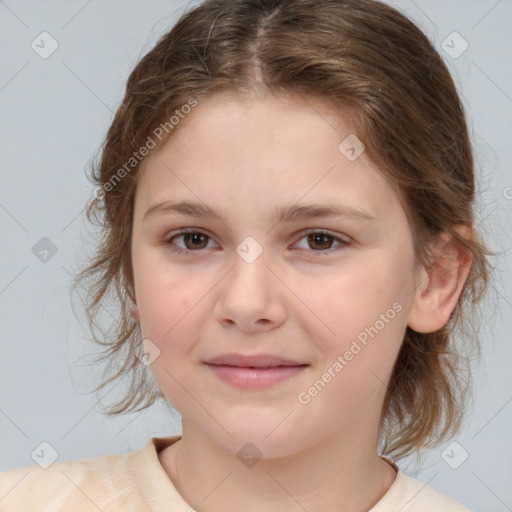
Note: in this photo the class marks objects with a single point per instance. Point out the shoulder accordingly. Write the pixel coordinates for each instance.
(80, 485)
(411, 495)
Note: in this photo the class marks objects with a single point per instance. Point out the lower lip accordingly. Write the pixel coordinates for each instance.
(255, 378)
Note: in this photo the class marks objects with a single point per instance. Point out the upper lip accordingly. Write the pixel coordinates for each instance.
(257, 361)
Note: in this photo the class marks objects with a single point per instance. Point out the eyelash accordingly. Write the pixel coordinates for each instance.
(188, 252)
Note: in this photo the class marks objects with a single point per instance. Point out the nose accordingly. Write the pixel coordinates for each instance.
(251, 296)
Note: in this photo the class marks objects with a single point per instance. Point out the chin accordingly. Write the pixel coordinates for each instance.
(260, 439)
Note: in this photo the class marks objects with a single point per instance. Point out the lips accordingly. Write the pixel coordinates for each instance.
(254, 361)
(254, 372)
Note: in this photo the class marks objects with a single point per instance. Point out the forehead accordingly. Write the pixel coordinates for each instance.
(251, 151)
(263, 117)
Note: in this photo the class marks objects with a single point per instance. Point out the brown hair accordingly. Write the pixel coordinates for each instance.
(358, 54)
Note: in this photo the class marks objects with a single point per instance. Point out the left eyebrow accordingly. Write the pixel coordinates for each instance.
(282, 214)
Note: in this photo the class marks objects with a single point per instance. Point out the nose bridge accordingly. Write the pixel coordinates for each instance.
(251, 263)
(250, 250)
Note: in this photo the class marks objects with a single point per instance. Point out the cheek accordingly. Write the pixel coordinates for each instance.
(168, 312)
(341, 304)
(355, 367)
(171, 319)
(357, 314)
(173, 307)
(165, 293)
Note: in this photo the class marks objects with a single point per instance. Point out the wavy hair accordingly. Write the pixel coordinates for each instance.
(361, 55)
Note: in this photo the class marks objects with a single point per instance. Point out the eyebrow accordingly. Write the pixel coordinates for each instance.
(282, 214)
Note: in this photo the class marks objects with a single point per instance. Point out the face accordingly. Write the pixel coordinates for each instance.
(324, 295)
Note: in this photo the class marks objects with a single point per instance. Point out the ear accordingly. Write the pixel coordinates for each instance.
(439, 287)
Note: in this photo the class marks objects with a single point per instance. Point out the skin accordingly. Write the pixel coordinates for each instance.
(298, 300)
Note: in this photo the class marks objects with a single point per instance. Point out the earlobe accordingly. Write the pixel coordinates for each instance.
(135, 312)
(440, 286)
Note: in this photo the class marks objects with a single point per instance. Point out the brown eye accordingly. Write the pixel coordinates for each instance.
(321, 242)
(193, 241)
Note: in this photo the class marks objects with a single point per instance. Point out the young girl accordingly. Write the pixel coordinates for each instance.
(286, 194)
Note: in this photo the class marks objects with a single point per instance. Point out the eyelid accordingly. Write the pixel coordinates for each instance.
(343, 241)
(309, 231)
(185, 231)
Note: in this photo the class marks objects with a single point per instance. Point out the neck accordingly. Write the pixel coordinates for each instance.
(343, 474)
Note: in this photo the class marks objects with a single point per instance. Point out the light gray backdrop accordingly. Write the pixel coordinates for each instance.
(55, 110)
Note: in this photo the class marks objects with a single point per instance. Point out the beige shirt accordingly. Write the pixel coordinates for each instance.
(137, 482)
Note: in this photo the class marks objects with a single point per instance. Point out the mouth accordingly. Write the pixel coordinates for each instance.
(254, 372)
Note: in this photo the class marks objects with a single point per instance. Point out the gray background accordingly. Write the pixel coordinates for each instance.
(54, 114)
